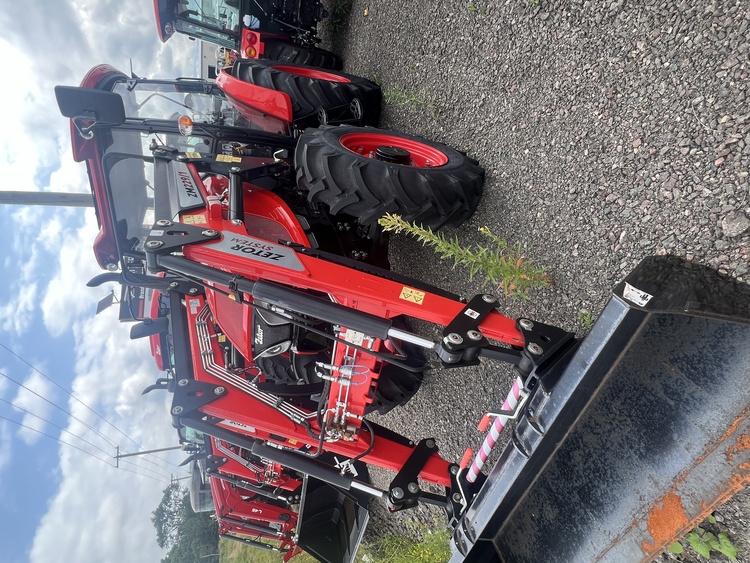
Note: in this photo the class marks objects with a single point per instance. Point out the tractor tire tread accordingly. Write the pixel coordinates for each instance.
(283, 51)
(367, 188)
(308, 95)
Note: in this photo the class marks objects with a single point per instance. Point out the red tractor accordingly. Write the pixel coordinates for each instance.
(257, 499)
(285, 328)
(278, 30)
(248, 508)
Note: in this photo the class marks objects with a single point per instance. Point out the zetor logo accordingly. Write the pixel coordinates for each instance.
(187, 184)
(256, 249)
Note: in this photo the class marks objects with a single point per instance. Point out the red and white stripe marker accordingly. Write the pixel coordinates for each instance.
(511, 402)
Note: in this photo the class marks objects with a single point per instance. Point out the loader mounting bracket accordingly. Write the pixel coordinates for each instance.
(542, 343)
(190, 395)
(462, 341)
(166, 237)
(404, 491)
(461, 493)
(214, 462)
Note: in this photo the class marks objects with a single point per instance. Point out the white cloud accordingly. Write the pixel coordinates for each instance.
(3, 382)
(66, 297)
(117, 504)
(30, 399)
(16, 314)
(97, 514)
(6, 439)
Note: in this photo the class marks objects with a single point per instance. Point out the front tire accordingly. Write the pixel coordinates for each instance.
(367, 173)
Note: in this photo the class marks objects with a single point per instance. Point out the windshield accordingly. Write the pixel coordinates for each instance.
(202, 101)
(129, 169)
(214, 20)
(192, 436)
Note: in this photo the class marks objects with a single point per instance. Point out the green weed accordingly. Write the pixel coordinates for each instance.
(477, 9)
(338, 15)
(704, 542)
(397, 96)
(586, 319)
(502, 265)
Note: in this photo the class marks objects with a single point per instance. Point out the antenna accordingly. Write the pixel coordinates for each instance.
(132, 74)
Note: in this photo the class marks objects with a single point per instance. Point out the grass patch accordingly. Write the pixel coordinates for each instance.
(390, 549)
(586, 319)
(396, 549)
(401, 98)
(338, 15)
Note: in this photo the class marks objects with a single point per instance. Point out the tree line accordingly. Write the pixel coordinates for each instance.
(188, 536)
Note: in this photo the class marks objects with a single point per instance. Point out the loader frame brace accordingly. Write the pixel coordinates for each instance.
(404, 491)
(190, 395)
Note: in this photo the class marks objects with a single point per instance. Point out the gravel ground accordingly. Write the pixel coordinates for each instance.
(609, 131)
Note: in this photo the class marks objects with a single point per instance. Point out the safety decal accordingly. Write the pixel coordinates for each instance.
(194, 305)
(413, 295)
(194, 219)
(227, 158)
(193, 155)
(635, 295)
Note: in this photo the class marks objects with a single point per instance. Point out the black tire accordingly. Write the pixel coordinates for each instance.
(286, 52)
(310, 94)
(368, 188)
(397, 385)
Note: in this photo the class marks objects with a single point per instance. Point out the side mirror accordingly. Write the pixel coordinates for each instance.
(88, 107)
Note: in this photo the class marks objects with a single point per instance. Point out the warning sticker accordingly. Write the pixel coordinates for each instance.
(354, 337)
(193, 155)
(193, 219)
(194, 305)
(635, 295)
(471, 313)
(227, 158)
(413, 295)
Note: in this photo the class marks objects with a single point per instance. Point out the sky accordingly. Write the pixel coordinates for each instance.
(65, 374)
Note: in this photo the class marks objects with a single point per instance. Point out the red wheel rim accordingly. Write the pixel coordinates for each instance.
(311, 73)
(422, 155)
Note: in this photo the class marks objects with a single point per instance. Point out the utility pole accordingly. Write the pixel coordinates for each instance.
(119, 456)
(57, 199)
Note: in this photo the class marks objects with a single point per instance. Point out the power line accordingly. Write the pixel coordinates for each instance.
(69, 394)
(55, 425)
(84, 440)
(110, 441)
(74, 417)
(74, 446)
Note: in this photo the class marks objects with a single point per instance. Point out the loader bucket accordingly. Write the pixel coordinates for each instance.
(634, 436)
(331, 522)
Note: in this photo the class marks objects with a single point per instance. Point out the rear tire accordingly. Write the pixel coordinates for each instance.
(312, 89)
(295, 54)
(336, 165)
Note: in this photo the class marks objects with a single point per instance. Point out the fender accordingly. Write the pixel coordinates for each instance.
(255, 103)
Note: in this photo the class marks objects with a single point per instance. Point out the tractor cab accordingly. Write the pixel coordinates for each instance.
(216, 21)
(119, 127)
(244, 27)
